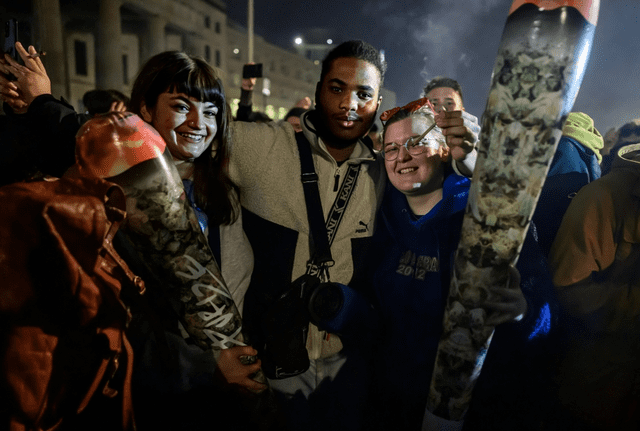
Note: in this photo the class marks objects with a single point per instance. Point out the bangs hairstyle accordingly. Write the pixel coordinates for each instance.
(199, 83)
(177, 71)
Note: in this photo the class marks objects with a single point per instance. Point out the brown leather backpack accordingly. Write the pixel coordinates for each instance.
(65, 360)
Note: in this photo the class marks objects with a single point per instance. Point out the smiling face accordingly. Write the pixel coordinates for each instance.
(186, 124)
(347, 100)
(419, 174)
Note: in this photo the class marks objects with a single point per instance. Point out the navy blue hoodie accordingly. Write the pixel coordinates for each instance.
(413, 264)
(410, 292)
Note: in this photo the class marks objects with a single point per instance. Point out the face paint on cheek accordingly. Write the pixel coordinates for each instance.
(197, 148)
(417, 185)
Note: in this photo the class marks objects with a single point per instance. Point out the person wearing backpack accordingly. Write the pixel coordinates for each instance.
(183, 99)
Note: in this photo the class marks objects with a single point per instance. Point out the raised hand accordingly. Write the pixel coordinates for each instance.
(31, 79)
(248, 83)
(9, 91)
(461, 131)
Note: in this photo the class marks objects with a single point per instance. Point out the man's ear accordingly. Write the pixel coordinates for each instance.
(144, 112)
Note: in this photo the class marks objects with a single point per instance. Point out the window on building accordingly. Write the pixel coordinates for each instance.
(207, 53)
(125, 69)
(218, 58)
(80, 53)
(207, 21)
(218, 27)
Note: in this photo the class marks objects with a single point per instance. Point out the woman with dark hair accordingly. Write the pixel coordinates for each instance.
(182, 97)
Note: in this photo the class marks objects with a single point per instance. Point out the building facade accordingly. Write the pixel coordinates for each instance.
(288, 77)
(102, 44)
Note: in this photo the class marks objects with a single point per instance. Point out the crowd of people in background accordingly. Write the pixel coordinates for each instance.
(566, 351)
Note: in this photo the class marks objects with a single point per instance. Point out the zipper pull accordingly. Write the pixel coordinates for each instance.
(337, 181)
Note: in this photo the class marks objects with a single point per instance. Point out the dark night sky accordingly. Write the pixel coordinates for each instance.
(460, 39)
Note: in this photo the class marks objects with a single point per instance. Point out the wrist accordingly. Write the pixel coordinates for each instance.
(246, 97)
(466, 166)
(42, 99)
(29, 98)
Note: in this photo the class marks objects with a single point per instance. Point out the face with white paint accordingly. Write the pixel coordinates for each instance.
(186, 124)
(347, 100)
(421, 174)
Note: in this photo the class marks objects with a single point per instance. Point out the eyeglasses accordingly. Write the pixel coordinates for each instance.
(414, 145)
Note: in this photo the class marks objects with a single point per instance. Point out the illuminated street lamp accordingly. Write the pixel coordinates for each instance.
(314, 50)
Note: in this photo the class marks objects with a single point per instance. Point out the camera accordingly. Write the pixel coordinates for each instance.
(286, 325)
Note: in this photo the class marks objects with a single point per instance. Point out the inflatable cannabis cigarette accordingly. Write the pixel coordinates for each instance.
(540, 64)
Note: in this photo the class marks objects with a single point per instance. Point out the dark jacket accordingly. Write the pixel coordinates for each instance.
(573, 167)
(42, 141)
(411, 284)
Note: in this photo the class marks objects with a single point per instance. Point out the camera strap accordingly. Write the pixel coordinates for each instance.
(321, 233)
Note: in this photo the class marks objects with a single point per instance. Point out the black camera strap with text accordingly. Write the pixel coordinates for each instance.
(322, 234)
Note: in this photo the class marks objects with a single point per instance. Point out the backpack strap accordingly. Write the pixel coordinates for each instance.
(322, 234)
(322, 252)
